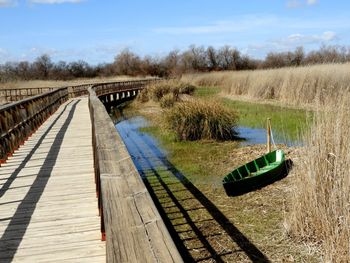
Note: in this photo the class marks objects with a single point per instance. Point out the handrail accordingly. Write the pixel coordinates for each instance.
(6, 106)
(112, 87)
(10, 95)
(130, 222)
(20, 119)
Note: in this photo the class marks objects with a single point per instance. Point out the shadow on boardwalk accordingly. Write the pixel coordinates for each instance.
(18, 223)
(200, 230)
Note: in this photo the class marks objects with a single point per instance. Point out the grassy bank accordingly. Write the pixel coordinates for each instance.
(201, 161)
(319, 214)
(258, 215)
(288, 123)
(296, 86)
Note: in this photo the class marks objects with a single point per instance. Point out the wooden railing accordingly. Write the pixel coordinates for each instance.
(79, 90)
(20, 119)
(113, 87)
(16, 94)
(130, 222)
(11, 95)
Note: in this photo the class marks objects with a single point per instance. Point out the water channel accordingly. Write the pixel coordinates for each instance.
(250, 136)
(194, 221)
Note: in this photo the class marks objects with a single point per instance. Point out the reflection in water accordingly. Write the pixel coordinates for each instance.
(258, 136)
(129, 131)
(201, 232)
(249, 135)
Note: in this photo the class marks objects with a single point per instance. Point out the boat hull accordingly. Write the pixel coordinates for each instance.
(255, 174)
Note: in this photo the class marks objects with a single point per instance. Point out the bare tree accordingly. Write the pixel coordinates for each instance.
(172, 62)
(42, 67)
(24, 70)
(212, 58)
(127, 63)
(228, 58)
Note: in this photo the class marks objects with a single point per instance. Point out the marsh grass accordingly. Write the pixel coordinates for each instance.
(297, 86)
(206, 92)
(167, 101)
(156, 91)
(199, 119)
(259, 215)
(320, 199)
(321, 208)
(288, 123)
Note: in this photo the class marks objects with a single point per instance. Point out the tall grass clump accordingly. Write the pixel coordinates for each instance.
(157, 90)
(299, 86)
(197, 119)
(167, 101)
(143, 96)
(321, 202)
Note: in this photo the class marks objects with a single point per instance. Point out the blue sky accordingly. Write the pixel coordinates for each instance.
(96, 30)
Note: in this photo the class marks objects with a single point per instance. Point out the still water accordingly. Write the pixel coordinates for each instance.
(130, 127)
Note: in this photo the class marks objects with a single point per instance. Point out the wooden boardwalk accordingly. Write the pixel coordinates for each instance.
(48, 205)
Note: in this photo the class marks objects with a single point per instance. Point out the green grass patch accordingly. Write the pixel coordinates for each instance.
(206, 92)
(200, 161)
(258, 215)
(288, 123)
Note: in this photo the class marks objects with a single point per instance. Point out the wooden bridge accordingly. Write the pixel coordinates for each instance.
(69, 191)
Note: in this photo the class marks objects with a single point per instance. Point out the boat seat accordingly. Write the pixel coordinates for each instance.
(264, 169)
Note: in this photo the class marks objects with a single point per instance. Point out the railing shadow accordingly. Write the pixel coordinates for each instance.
(164, 187)
(35, 147)
(19, 222)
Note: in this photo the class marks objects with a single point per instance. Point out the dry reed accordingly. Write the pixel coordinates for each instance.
(321, 203)
(157, 90)
(167, 101)
(298, 86)
(320, 211)
(197, 119)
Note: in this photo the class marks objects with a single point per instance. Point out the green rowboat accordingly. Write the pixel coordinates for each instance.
(255, 174)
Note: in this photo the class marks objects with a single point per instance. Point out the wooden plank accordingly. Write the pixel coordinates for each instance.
(135, 231)
(48, 206)
(63, 224)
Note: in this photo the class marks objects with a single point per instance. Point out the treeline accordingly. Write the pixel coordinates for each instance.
(194, 59)
(44, 69)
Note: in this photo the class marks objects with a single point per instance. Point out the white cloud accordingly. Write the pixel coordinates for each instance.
(7, 3)
(311, 2)
(294, 4)
(301, 39)
(240, 24)
(300, 3)
(54, 1)
(4, 55)
(290, 43)
(268, 24)
(2, 51)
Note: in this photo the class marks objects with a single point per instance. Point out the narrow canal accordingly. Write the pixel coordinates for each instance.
(206, 224)
(200, 230)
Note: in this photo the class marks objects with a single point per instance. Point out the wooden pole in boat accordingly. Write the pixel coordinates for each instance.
(268, 129)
